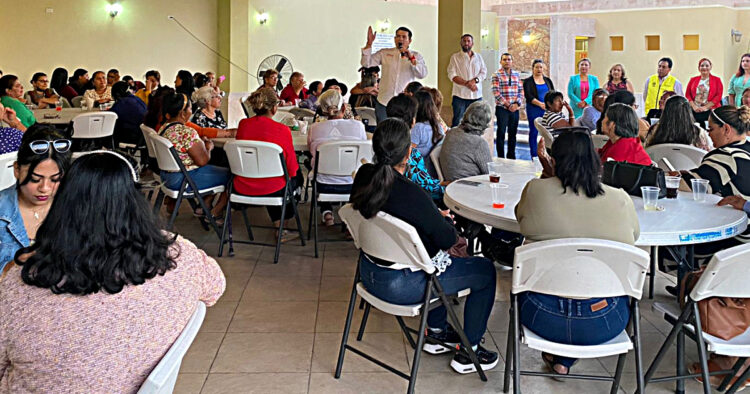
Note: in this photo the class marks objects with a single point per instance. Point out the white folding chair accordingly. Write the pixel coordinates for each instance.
(94, 125)
(246, 109)
(336, 158)
(76, 101)
(435, 157)
(726, 275)
(300, 113)
(169, 160)
(599, 140)
(577, 268)
(368, 116)
(163, 377)
(150, 160)
(391, 239)
(7, 177)
(682, 157)
(544, 132)
(257, 160)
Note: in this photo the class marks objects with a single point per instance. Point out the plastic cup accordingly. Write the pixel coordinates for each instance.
(58, 106)
(494, 171)
(700, 188)
(650, 197)
(673, 183)
(499, 192)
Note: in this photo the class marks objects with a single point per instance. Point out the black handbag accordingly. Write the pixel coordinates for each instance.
(630, 177)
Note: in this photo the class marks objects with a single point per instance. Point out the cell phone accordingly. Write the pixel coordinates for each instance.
(222, 78)
(468, 183)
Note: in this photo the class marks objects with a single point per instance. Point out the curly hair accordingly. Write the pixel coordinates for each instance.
(263, 100)
(83, 248)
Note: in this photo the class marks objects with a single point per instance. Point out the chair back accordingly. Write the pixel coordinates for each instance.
(163, 377)
(682, 157)
(580, 268)
(543, 132)
(65, 102)
(726, 275)
(76, 101)
(163, 149)
(284, 117)
(369, 114)
(342, 158)
(255, 159)
(435, 157)
(599, 140)
(387, 238)
(300, 113)
(94, 124)
(147, 131)
(7, 177)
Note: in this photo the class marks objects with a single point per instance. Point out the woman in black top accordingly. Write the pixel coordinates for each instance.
(535, 88)
(383, 187)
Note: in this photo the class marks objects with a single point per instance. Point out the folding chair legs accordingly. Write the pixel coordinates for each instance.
(516, 346)
(509, 350)
(702, 357)
(618, 372)
(420, 340)
(362, 325)
(735, 369)
(745, 375)
(654, 256)
(227, 226)
(281, 232)
(636, 339)
(347, 326)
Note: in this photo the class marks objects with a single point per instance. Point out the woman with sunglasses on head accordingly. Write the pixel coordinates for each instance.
(42, 160)
(98, 300)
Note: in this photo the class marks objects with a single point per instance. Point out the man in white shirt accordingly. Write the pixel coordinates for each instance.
(467, 71)
(398, 67)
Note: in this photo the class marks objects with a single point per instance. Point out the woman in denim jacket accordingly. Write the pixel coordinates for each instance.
(42, 159)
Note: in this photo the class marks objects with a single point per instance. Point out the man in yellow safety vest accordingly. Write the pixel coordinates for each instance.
(659, 83)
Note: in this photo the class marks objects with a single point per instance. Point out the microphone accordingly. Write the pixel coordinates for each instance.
(400, 47)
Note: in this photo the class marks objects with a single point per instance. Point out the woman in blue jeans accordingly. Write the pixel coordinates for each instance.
(383, 187)
(572, 203)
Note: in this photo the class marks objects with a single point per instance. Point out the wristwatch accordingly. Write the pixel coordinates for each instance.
(476, 80)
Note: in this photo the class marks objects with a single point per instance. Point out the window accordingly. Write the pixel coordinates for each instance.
(653, 43)
(616, 43)
(691, 42)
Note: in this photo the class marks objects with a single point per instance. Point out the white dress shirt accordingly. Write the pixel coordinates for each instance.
(468, 68)
(396, 71)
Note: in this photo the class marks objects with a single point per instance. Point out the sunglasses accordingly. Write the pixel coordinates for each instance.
(41, 146)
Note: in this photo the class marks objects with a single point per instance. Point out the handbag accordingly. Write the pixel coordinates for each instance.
(630, 177)
(722, 317)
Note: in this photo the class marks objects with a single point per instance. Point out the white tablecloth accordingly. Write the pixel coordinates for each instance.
(63, 117)
(682, 222)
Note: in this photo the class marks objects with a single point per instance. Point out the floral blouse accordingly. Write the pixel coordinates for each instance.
(417, 173)
(183, 138)
(203, 120)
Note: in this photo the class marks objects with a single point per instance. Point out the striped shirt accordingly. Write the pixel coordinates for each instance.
(727, 170)
(550, 118)
(507, 89)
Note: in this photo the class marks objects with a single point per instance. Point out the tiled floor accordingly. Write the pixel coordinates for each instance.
(277, 329)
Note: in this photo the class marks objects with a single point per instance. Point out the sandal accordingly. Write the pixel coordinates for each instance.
(328, 219)
(286, 236)
(715, 380)
(198, 212)
(549, 361)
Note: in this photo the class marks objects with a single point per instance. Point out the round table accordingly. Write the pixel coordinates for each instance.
(64, 117)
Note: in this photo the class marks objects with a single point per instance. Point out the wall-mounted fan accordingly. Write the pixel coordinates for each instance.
(279, 63)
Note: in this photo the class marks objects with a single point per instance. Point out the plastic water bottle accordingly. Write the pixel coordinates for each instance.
(537, 166)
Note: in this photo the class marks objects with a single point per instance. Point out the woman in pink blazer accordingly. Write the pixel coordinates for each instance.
(704, 91)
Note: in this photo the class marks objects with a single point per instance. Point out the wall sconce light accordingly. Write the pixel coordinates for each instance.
(484, 33)
(114, 9)
(384, 26)
(526, 37)
(262, 17)
(736, 35)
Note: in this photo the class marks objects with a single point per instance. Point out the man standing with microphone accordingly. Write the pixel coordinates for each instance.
(399, 66)
(467, 71)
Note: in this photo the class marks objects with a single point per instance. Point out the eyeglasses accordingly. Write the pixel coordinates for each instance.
(42, 146)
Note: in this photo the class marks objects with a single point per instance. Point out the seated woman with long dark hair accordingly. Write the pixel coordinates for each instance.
(383, 187)
(95, 303)
(571, 204)
(677, 126)
(43, 158)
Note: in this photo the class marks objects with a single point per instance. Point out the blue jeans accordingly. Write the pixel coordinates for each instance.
(533, 112)
(573, 322)
(506, 121)
(405, 287)
(380, 113)
(459, 107)
(204, 177)
(332, 189)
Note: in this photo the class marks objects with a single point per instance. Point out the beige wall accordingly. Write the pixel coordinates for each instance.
(713, 24)
(324, 40)
(79, 33)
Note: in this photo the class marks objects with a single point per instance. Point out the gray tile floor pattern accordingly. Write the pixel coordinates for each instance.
(277, 329)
